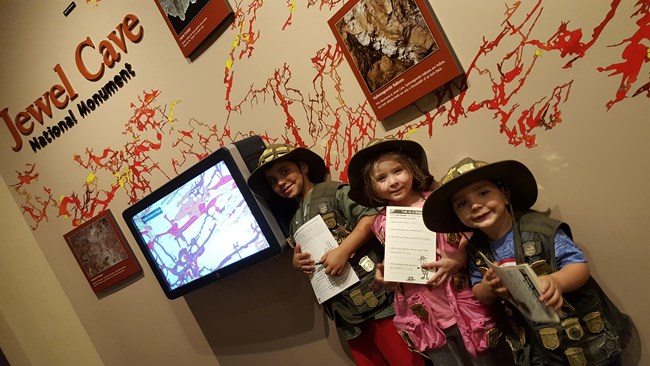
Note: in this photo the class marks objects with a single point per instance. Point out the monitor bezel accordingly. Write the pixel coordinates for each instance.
(269, 227)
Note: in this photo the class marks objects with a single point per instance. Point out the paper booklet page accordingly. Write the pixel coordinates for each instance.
(524, 288)
(409, 244)
(315, 238)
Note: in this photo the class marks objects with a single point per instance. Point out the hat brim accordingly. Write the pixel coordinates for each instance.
(438, 213)
(359, 160)
(316, 173)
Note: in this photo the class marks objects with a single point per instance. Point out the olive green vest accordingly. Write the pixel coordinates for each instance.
(365, 299)
(593, 330)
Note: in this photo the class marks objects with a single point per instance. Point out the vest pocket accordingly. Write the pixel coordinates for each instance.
(600, 347)
(359, 302)
(416, 323)
(484, 334)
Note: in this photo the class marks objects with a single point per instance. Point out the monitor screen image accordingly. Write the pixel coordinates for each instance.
(202, 225)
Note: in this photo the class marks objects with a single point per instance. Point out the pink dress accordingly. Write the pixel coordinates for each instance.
(422, 312)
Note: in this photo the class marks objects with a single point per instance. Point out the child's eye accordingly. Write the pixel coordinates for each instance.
(459, 204)
(484, 192)
(272, 181)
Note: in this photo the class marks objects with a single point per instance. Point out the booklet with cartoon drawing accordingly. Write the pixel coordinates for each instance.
(409, 244)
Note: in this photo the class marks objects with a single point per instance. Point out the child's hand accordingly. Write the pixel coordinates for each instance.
(490, 289)
(302, 261)
(551, 292)
(334, 261)
(379, 278)
(570, 278)
(494, 284)
(445, 268)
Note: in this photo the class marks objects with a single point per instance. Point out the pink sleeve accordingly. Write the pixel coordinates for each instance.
(379, 226)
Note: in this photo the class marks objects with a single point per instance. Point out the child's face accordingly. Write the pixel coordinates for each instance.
(287, 179)
(483, 205)
(393, 181)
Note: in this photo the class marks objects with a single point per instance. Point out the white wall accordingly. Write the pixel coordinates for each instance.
(38, 325)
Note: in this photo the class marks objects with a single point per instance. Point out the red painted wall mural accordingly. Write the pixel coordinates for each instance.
(505, 61)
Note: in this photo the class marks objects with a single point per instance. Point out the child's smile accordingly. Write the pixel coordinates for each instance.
(287, 179)
(483, 205)
(393, 182)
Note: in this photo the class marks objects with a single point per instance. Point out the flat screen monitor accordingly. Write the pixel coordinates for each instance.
(203, 225)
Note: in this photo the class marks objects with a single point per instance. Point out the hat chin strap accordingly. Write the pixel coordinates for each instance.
(305, 179)
(516, 231)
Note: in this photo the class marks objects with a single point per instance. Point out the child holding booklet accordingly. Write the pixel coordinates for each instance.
(363, 312)
(493, 201)
(441, 319)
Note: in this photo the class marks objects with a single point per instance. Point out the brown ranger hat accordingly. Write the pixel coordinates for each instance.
(438, 213)
(371, 152)
(274, 152)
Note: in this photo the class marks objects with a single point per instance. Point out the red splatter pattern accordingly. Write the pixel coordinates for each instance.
(321, 117)
(634, 55)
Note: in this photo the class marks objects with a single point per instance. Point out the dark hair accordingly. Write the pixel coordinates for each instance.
(294, 161)
(421, 180)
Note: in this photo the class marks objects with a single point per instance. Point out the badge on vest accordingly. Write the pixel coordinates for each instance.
(481, 265)
(530, 248)
(329, 219)
(357, 297)
(419, 311)
(367, 264)
(322, 208)
(550, 338)
(610, 346)
(576, 356)
(594, 322)
(459, 280)
(407, 339)
(573, 329)
(493, 337)
(541, 268)
(370, 299)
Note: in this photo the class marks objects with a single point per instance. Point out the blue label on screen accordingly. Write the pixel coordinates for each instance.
(151, 215)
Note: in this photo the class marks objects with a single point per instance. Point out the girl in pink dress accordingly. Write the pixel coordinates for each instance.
(442, 319)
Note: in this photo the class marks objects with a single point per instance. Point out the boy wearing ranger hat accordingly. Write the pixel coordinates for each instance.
(364, 311)
(493, 201)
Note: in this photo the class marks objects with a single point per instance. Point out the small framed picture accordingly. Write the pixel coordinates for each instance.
(193, 21)
(102, 252)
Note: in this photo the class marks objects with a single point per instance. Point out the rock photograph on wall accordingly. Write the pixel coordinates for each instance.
(385, 38)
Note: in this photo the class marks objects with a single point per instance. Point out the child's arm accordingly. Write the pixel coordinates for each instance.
(335, 260)
(573, 273)
(569, 278)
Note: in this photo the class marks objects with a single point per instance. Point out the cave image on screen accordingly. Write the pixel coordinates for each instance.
(200, 227)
